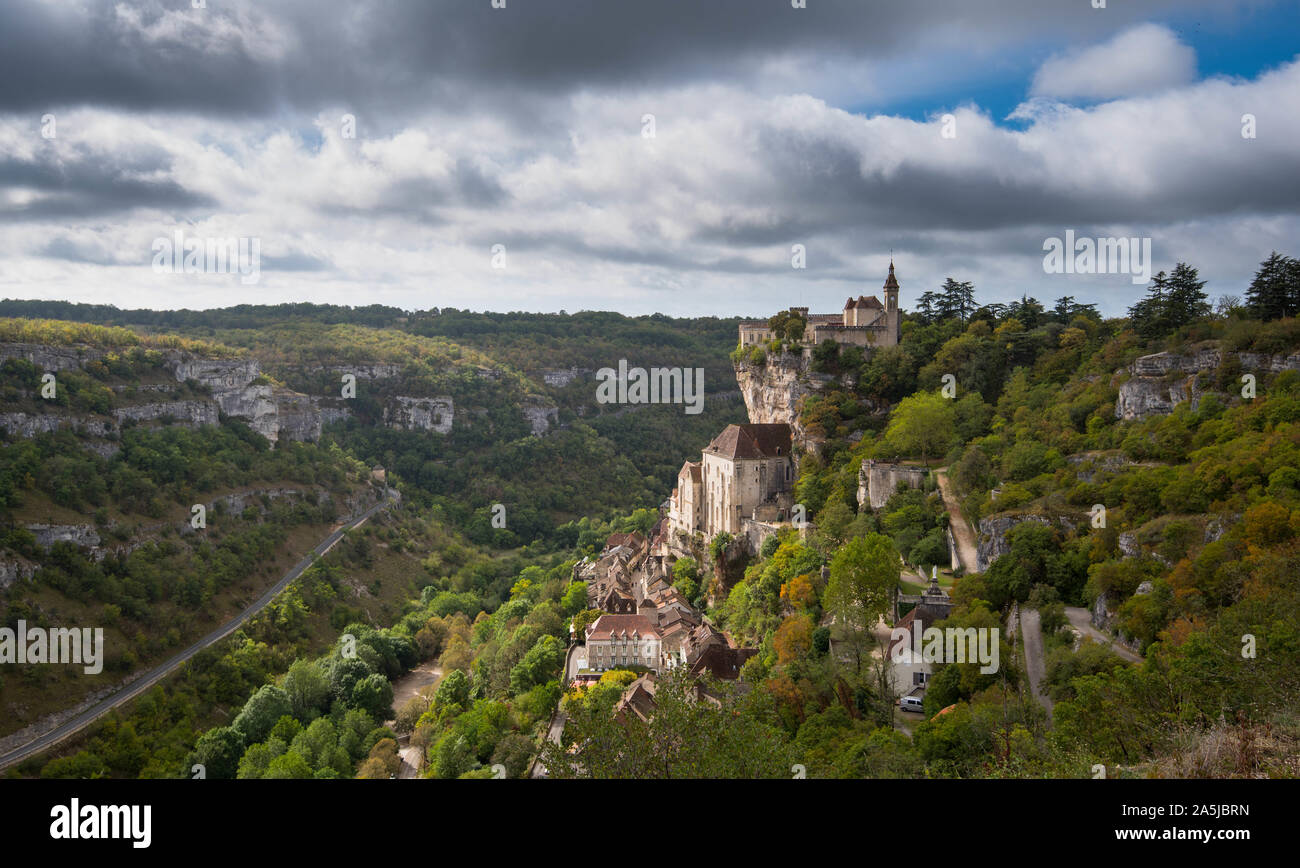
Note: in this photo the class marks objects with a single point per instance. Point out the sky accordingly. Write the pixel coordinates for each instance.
(643, 156)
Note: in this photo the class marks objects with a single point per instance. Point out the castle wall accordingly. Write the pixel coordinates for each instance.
(877, 481)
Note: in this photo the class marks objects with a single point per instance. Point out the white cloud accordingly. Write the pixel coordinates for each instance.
(699, 219)
(1143, 59)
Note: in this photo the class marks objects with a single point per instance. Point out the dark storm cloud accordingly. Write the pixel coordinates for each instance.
(261, 58)
(86, 187)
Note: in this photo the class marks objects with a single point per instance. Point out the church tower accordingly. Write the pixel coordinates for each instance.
(892, 318)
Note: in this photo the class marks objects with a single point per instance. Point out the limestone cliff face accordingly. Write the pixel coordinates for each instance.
(991, 542)
(420, 414)
(541, 416)
(774, 392)
(191, 412)
(238, 389)
(51, 358)
(1161, 381)
(271, 411)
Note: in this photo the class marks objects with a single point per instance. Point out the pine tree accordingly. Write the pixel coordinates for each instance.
(1148, 315)
(1187, 301)
(927, 307)
(1274, 292)
(958, 299)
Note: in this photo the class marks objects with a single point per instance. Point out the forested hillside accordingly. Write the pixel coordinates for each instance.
(1138, 474)
(98, 479)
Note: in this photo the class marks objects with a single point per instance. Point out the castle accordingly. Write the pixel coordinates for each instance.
(864, 322)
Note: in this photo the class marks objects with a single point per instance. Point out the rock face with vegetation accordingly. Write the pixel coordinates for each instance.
(774, 392)
(1158, 382)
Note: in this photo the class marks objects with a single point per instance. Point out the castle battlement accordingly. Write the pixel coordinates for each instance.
(863, 322)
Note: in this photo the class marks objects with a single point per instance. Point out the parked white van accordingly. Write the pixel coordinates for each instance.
(911, 703)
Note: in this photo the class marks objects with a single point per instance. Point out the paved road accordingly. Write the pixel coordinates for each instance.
(1031, 627)
(153, 676)
(961, 531)
(1081, 620)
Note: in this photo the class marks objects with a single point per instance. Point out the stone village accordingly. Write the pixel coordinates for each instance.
(743, 487)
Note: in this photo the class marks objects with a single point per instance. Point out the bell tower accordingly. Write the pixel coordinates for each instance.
(893, 319)
(891, 290)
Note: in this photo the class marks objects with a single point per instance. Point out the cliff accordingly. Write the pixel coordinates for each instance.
(774, 392)
(1159, 382)
(992, 536)
(230, 387)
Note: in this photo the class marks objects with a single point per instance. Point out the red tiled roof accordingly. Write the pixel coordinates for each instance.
(616, 625)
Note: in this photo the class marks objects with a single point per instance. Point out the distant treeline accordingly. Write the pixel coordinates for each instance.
(241, 316)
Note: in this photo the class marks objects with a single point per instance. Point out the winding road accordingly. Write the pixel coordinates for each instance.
(1081, 620)
(1031, 630)
(961, 531)
(162, 670)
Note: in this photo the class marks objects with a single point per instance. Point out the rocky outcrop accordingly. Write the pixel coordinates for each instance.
(1161, 381)
(32, 424)
(992, 536)
(561, 377)
(1101, 616)
(877, 481)
(82, 535)
(774, 392)
(420, 414)
(369, 371)
(297, 416)
(541, 417)
(189, 413)
(51, 358)
(13, 570)
(991, 541)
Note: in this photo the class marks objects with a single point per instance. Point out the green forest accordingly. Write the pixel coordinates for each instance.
(1018, 407)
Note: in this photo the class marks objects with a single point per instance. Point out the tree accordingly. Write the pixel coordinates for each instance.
(515, 752)
(1274, 293)
(688, 736)
(922, 425)
(538, 666)
(957, 300)
(453, 690)
(1149, 315)
(374, 695)
(575, 598)
(307, 687)
(864, 575)
(263, 709)
(1187, 300)
(793, 639)
(218, 751)
(928, 307)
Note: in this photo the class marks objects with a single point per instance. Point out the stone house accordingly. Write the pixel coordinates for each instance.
(615, 641)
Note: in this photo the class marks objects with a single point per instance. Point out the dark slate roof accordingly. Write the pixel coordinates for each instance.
(752, 441)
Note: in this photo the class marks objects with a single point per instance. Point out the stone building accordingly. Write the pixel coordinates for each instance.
(615, 641)
(746, 473)
(864, 322)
